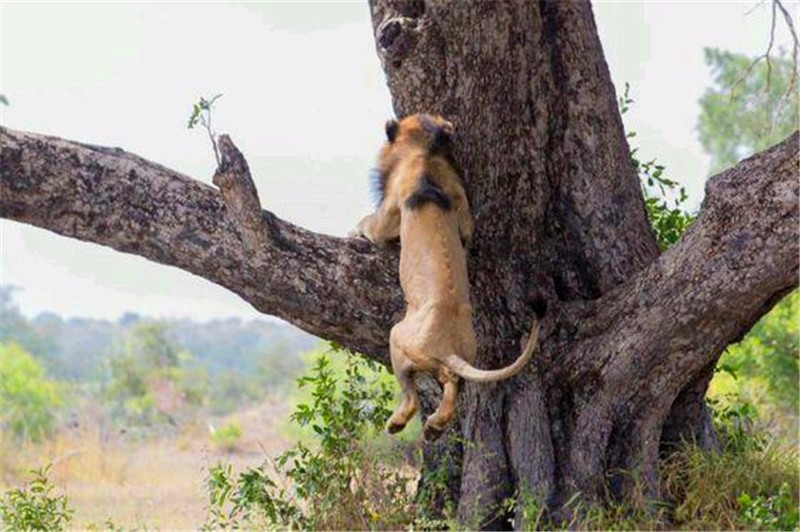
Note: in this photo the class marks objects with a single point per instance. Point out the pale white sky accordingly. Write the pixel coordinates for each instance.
(305, 100)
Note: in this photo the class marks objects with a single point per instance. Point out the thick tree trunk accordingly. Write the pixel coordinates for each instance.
(631, 337)
(560, 215)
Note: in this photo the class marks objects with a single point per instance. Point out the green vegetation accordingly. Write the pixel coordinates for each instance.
(664, 198)
(341, 478)
(148, 382)
(757, 379)
(35, 507)
(201, 114)
(227, 436)
(147, 371)
(753, 490)
(28, 399)
(334, 481)
(744, 112)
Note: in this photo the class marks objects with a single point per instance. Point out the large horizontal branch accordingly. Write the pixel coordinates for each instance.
(733, 264)
(728, 270)
(340, 289)
(638, 346)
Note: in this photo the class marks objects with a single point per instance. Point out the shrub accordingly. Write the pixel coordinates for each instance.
(333, 482)
(35, 507)
(227, 437)
(28, 400)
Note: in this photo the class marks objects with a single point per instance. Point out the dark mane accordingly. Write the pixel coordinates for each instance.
(377, 182)
(428, 192)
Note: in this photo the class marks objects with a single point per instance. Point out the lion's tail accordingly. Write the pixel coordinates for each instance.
(464, 369)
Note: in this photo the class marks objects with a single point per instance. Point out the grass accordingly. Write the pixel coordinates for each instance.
(136, 483)
(751, 489)
(711, 489)
(343, 475)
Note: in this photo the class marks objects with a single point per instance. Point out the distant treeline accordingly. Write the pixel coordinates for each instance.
(239, 361)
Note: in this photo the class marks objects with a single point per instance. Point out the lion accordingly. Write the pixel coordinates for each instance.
(424, 204)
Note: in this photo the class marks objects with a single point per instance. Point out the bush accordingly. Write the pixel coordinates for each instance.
(227, 437)
(333, 482)
(149, 384)
(28, 400)
(35, 507)
(762, 369)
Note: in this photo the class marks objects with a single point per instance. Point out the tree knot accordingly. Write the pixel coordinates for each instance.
(396, 38)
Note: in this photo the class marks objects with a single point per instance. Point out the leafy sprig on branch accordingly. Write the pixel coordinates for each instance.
(201, 114)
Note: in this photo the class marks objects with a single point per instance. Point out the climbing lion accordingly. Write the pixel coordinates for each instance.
(423, 202)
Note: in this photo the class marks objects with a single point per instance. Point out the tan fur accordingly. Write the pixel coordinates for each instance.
(436, 335)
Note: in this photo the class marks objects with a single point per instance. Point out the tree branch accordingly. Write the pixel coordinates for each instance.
(638, 346)
(732, 265)
(339, 289)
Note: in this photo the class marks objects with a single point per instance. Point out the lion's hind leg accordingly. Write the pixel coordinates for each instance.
(437, 422)
(403, 370)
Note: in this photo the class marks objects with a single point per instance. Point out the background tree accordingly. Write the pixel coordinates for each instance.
(28, 400)
(632, 335)
(746, 110)
(149, 379)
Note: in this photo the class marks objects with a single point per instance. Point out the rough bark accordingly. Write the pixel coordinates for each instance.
(630, 338)
(110, 197)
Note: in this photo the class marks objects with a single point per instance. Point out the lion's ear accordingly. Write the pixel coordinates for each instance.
(442, 141)
(391, 130)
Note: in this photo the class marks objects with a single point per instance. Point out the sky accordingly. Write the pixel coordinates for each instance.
(304, 98)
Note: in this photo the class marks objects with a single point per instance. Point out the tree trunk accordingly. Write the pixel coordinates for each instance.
(631, 337)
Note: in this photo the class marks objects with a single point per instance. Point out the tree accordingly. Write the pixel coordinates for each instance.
(632, 335)
(147, 383)
(28, 399)
(746, 110)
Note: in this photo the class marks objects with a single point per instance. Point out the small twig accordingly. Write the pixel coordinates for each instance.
(211, 136)
(749, 11)
(766, 56)
(758, 59)
(793, 77)
(201, 111)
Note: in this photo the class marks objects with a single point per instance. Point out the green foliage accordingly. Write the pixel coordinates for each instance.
(773, 512)
(227, 436)
(760, 375)
(755, 488)
(148, 383)
(201, 113)
(13, 325)
(28, 400)
(233, 362)
(744, 112)
(711, 490)
(664, 198)
(333, 482)
(35, 507)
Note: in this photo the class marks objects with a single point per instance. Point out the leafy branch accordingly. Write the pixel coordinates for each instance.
(201, 113)
(668, 221)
